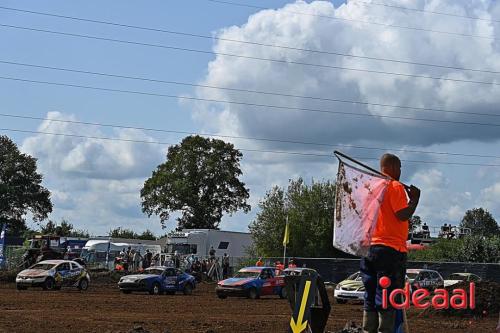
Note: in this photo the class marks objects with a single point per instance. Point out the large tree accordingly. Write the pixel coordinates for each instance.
(481, 222)
(414, 223)
(200, 180)
(310, 210)
(21, 191)
(64, 229)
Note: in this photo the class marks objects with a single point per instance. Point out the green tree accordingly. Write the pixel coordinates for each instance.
(200, 180)
(310, 216)
(64, 229)
(122, 233)
(481, 222)
(147, 235)
(21, 191)
(414, 223)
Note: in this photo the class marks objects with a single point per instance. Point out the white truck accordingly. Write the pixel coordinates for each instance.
(199, 242)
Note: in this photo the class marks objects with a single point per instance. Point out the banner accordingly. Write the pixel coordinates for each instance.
(286, 237)
(2, 246)
(358, 197)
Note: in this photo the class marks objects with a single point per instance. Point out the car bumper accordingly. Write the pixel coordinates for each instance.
(349, 295)
(30, 282)
(132, 286)
(231, 291)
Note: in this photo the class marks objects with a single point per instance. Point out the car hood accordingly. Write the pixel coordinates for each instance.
(351, 284)
(139, 276)
(236, 281)
(451, 282)
(33, 272)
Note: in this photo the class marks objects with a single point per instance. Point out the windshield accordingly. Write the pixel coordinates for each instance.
(154, 271)
(44, 267)
(412, 276)
(246, 275)
(457, 277)
(354, 277)
(182, 249)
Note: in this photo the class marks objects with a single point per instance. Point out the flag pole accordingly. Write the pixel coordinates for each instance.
(285, 243)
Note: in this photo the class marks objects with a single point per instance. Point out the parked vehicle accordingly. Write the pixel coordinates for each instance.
(298, 271)
(350, 289)
(252, 282)
(54, 274)
(425, 278)
(199, 242)
(158, 280)
(459, 277)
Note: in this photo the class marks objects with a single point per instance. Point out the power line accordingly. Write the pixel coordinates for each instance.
(423, 11)
(72, 70)
(286, 47)
(354, 20)
(286, 62)
(120, 126)
(242, 149)
(271, 106)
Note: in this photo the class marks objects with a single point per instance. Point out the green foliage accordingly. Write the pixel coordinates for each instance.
(468, 249)
(200, 180)
(65, 229)
(481, 222)
(130, 234)
(414, 223)
(310, 215)
(21, 191)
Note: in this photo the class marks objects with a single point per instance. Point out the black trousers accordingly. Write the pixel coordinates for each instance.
(381, 261)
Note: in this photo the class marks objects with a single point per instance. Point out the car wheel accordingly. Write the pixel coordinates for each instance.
(341, 301)
(127, 291)
(83, 285)
(253, 294)
(222, 296)
(188, 289)
(155, 289)
(49, 284)
(283, 293)
(19, 287)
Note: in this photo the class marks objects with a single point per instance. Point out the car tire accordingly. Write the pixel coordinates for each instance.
(19, 287)
(222, 296)
(155, 289)
(188, 289)
(253, 293)
(283, 293)
(127, 291)
(341, 301)
(83, 285)
(49, 284)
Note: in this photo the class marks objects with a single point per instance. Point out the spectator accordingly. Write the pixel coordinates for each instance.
(225, 266)
(148, 257)
(212, 253)
(177, 259)
(292, 264)
(137, 260)
(259, 263)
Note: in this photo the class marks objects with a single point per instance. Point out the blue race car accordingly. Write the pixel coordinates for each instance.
(158, 280)
(252, 282)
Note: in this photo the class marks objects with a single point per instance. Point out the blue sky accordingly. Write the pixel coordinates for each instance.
(459, 187)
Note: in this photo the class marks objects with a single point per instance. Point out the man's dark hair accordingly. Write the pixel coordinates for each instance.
(389, 159)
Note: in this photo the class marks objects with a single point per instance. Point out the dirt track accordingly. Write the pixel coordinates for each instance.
(104, 309)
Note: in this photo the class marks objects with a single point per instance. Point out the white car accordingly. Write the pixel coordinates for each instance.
(350, 289)
(54, 274)
(460, 277)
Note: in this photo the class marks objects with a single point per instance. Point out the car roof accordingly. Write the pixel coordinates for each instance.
(463, 274)
(418, 270)
(255, 268)
(299, 269)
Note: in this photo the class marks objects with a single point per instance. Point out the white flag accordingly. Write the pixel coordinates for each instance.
(359, 195)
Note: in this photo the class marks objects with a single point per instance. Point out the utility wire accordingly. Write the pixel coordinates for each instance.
(242, 149)
(353, 20)
(287, 62)
(424, 11)
(72, 70)
(270, 106)
(149, 129)
(286, 47)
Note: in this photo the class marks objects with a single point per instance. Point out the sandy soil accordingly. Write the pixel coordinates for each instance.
(104, 309)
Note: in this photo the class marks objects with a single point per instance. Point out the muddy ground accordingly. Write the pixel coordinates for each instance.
(104, 309)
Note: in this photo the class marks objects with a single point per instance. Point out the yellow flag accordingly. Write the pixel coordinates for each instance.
(286, 238)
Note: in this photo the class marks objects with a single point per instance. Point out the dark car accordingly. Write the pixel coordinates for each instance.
(252, 282)
(158, 280)
(425, 278)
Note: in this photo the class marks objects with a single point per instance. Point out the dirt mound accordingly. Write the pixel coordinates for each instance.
(487, 300)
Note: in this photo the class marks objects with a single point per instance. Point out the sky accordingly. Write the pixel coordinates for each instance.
(95, 183)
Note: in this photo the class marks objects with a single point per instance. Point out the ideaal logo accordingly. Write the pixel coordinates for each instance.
(441, 299)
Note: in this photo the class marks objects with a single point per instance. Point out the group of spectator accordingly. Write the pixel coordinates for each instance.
(132, 260)
(199, 268)
(278, 265)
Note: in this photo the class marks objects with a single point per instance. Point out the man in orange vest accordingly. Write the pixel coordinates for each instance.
(387, 254)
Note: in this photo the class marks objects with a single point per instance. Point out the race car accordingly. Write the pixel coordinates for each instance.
(252, 282)
(158, 280)
(460, 277)
(54, 274)
(350, 289)
(425, 278)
